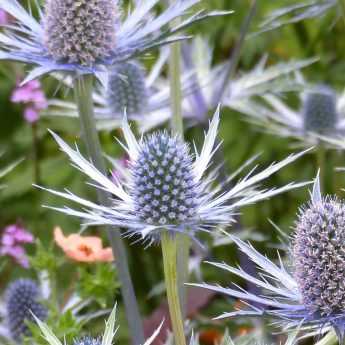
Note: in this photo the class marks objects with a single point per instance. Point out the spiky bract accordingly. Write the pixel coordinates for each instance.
(126, 89)
(319, 256)
(22, 300)
(164, 184)
(80, 32)
(320, 110)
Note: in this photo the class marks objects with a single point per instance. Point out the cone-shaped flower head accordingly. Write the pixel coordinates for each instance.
(22, 300)
(319, 256)
(320, 110)
(85, 36)
(80, 32)
(126, 90)
(164, 183)
(168, 188)
(88, 341)
(313, 295)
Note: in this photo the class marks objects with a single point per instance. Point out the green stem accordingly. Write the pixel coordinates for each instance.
(83, 87)
(177, 128)
(169, 251)
(329, 339)
(175, 88)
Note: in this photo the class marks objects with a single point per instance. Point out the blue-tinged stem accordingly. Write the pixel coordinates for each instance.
(83, 87)
(182, 240)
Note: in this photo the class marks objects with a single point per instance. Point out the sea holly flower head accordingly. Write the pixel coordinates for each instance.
(22, 299)
(167, 188)
(143, 94)
(321, 114)
(311, 295)
(83, 37)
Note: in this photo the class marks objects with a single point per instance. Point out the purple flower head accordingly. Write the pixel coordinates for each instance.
(32, 96)
(312, 296)
(12, 240)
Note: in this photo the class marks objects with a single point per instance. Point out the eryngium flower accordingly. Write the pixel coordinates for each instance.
(319, 110)
(88, 341)
(22, 300)
(145, 95)
(167, 187)
(321, 115)
(319, 256)
(312, 296)
(126, 89)
(85, 36)
(80, 32)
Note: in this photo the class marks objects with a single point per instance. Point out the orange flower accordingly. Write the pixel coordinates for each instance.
(82, 248)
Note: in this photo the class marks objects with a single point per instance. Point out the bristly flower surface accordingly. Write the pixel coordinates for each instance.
(167, 187)
(83, 37)
(312, 296)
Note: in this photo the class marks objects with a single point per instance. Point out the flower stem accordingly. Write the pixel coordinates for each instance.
(329, 339)
(177, 128)
(83, 87)
(169, 251)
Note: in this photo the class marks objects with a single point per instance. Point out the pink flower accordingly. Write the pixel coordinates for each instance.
(32, 96)
(11, 244)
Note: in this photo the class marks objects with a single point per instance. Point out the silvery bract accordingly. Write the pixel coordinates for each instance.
(85, 36)
(167, 187)
(312, 296)
(299, 11)
(106, 339)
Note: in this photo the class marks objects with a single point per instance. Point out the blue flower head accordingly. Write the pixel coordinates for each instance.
(312, 296)
(167, 187)
(22, 302)
(126, 90)
(85, 36)
(320, 114)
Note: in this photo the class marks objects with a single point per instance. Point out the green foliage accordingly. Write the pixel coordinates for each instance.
(99, 282)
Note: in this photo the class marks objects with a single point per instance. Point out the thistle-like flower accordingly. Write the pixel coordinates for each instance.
(321, 115)
(167, 188)
(313, 294)
(145, 96)
(22, 302)
(85, 36)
